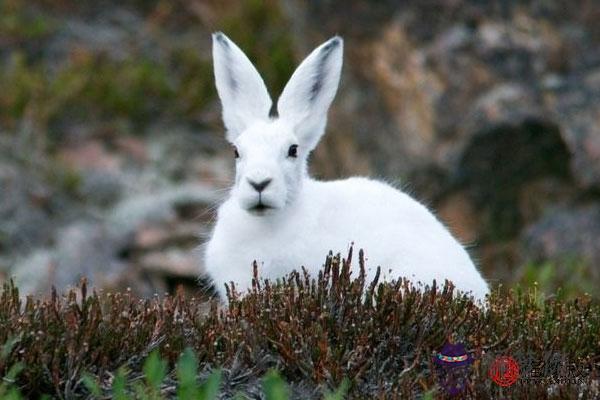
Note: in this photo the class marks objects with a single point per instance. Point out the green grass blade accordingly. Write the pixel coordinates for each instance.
(341, 391)
(274, 387)
(187, 373)
(92, 385)
(155, 370)
(8, 346)
(210, 388)
(119, 386)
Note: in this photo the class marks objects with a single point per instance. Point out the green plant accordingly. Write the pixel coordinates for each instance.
(90, 85)
(119, 385)
(187, 372)
(8, 390)
(154, 374)
(154, 369)
(566, 280)
(341, 391)
(274, 387)
(17, 23)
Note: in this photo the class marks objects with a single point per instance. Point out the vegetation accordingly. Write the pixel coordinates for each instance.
(97, 87)
(18, 24)
(140, 88)
(151, 386)
(316, 332)
(565, 280)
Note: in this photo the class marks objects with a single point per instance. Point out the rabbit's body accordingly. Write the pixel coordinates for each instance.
(278, 216)
(395, 231)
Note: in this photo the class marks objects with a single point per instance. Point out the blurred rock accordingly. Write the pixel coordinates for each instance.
(109, 32)
(460, 216)
(29, 209)
(161, 207)
(173, 263)
(88, 155)
(571, 235)
(182, 234)
(578, 115)
(142, 241)
(100, 187)
(133, 148)
(174, 150)
(87, 250)
(34, 273)
(151, 237)
(501, 162)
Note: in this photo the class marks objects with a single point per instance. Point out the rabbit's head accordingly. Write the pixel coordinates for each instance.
(272, 144)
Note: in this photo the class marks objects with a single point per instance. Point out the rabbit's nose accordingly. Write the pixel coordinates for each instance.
(259, 186)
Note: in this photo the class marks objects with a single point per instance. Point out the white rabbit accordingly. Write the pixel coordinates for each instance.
(280, 217)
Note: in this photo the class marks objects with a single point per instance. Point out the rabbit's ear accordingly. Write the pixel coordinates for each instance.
(243, 93)
(310, 91)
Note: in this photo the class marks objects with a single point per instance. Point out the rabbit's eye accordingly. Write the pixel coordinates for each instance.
(235, 152)
(293, 151)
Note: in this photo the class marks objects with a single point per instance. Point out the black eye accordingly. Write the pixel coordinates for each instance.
(293, 151)
(235, 152)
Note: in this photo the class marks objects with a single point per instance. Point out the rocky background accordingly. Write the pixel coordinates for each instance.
(112, 156)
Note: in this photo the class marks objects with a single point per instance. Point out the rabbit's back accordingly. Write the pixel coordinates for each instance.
(396, 232)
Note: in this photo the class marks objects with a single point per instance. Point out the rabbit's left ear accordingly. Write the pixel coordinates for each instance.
(310, 91)
(242, 91)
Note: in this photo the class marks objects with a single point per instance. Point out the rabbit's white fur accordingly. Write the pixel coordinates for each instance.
(295, 220)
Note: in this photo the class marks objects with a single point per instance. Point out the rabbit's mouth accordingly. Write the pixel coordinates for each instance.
(260, 208)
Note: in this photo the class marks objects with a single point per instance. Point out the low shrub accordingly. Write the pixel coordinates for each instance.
(316, 331)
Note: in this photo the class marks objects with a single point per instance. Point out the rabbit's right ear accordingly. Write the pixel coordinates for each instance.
(243, 93)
